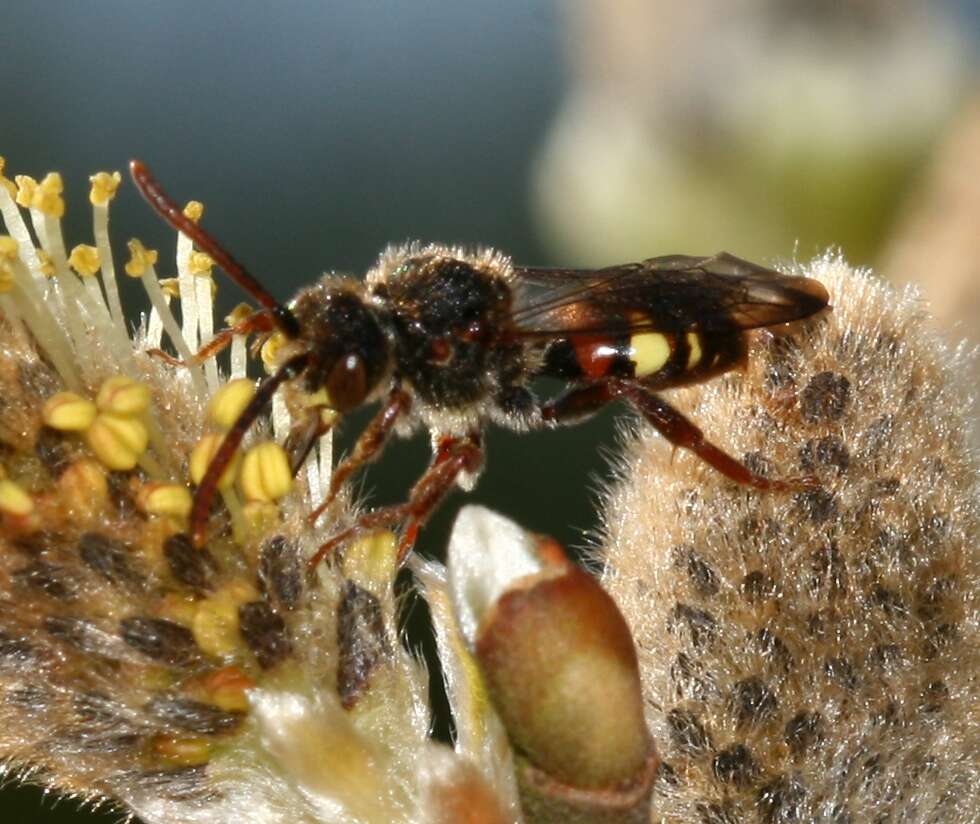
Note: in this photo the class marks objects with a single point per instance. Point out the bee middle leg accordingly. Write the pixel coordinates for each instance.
(453, 457)
(369, 445)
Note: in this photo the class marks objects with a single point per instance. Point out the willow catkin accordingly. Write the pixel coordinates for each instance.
(812, 657)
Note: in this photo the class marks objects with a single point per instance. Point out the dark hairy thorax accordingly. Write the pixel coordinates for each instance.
(448, 317)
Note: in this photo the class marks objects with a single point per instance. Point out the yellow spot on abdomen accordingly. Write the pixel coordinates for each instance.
(649, 351)
(694, 349)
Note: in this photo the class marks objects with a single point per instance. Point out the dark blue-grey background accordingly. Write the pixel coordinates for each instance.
(315, 133)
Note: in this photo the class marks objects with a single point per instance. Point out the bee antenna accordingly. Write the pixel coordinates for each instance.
(164, 206)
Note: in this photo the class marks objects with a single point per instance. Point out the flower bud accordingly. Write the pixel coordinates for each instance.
(557, 657)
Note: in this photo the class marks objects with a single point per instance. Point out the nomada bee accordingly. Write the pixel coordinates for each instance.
(449, 341)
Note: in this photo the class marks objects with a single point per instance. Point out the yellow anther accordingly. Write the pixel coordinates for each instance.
(118, 441)
(14, 500)
(182, 752)
(104, 186)
(371, 562)
(84, 486)
(271, 348)
(47, 265)
(6, 182)
(203, 454)
(84, 259)
(8, 254)
(215, 625)
(47, 196)
(140, 258)
(227, 689)
(9, 249)
(266, 475)
(68, 412)
(121, 395)
(240, 313)
(172, 500)
(230, 401)
(200, 263)
(170, 287)
(194, 210)
(26, 187)
(260, 517)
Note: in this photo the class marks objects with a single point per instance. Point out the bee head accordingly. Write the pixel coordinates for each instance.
(350, 353)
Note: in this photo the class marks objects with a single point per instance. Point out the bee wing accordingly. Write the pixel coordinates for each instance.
(673, 293)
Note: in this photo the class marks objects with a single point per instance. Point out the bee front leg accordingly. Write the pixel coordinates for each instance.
(453, 457)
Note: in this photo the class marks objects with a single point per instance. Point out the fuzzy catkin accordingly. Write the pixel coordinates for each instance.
(812, 656)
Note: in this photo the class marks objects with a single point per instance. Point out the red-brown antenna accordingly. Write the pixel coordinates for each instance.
(164, 206)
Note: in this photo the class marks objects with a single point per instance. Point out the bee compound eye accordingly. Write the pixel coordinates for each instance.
(347, 382)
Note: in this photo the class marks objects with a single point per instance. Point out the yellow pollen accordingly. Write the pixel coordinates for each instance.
(9, 250)
(649, 351)
(140, 258)
(266, 475)
(194, 210)
(47, 197)
(26, 187)
(230, 401)
(182, 752)
(240, 313)
(84, 259)
(694, 347)
(8, 254)
(14, 500)
(47, 265)
(271, 348)
(202, 455)
(68, 412)
(200, 263)
(6, 182)
(170, 287)
(104, 186)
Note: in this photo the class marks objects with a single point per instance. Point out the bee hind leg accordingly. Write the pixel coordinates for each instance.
(681, 432)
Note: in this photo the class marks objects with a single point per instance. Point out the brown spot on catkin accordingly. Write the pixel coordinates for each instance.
(110, 558)
(735, 765)
(361, 641)
(687, 733)
(825, 398)
(192, 716)
(159, 639)
(265, 633)
(279, 572)
(188, 564)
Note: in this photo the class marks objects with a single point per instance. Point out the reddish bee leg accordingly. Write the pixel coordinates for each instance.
(453, 457)
(578, 403)
(681, 432)
(370, 443)
(260, 321)
(204, 495)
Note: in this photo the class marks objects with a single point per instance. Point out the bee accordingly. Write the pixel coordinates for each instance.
(450, 340)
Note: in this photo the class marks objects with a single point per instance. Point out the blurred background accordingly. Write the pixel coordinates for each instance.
(574, 133)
